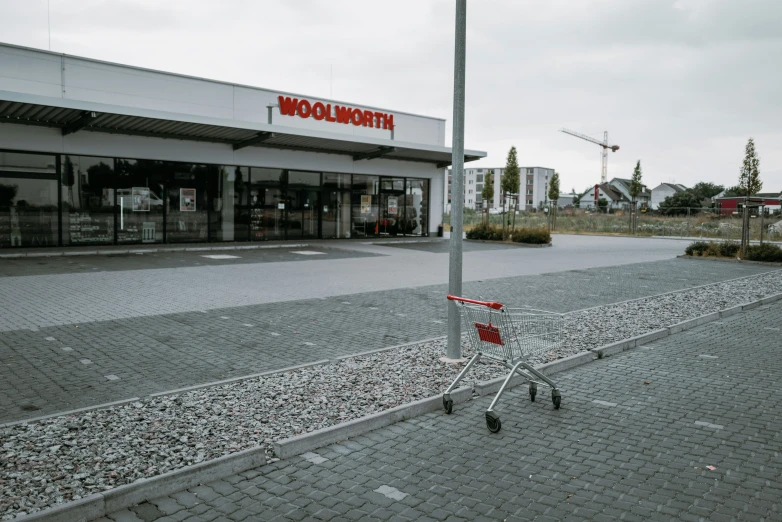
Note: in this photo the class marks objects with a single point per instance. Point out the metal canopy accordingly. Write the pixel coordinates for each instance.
(89, 117)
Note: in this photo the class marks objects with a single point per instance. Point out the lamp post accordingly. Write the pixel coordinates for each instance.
(454, 351)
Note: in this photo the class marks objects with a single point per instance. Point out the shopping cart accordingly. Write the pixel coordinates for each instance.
(511, 336)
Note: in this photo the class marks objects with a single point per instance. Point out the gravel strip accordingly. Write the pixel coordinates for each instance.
(70, 457)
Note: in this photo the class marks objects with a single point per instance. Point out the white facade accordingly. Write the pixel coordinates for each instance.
(662, 191)
(411, 146)
(533, 187)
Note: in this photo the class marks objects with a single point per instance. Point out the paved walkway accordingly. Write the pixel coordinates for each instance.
(61, 367)
(635, 439)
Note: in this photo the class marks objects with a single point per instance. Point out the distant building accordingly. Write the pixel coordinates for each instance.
(662, 191)
(729, 204)
(623, 187)
(533, 187)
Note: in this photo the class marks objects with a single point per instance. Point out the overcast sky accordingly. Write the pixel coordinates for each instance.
(679, 84)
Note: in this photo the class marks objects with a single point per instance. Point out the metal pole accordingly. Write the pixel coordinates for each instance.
(457, 206)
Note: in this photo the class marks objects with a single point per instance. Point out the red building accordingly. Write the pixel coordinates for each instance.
(731, 204)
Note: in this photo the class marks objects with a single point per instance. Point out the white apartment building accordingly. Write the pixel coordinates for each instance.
(533, 187)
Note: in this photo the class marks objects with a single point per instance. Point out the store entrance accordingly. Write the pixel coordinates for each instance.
(392, 198)
(303, 215)
(336, 214)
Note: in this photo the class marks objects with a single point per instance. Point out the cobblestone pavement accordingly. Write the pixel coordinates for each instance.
(147, 261)
(70, 366)
(635, 439)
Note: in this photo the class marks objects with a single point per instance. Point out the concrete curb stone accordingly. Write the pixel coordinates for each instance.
(309, 441)
(82, 510)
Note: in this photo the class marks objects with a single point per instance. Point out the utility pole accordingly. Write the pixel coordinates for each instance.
(457, 205)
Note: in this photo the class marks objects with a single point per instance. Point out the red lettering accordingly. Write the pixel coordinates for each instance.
(343, 114)
(379, 119)
(388, 121)
(305, 109)
(329, 117)
(368, 117)
(357, 121)
(318, 111)
(287, 105)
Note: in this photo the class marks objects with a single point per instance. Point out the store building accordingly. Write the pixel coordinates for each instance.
(95, 153)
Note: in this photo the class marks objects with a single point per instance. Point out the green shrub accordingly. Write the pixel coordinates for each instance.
(767, 252)
(533, 236)
(485, 232)
(729, 249)
(697, 248)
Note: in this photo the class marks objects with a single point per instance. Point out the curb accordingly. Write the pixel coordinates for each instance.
(511, 243)
(98, 505)
(317, 439)
(729, 260)
(216, 248)
(103, 406)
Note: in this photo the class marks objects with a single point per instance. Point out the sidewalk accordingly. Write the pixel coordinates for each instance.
(635, 438)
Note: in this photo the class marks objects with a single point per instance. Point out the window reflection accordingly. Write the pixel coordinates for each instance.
(87, 200)
(28, 200)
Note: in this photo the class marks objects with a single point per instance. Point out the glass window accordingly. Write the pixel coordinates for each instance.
(228, 203)
(417, 207)
(28, 200)
(364, 206)
(267, 205)
(187, 214)
(333, 181)
(140, 193)
(392, 206)
(87, 200)
(303, 201)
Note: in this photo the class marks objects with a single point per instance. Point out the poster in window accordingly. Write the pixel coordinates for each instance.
(187, 200)
(393, 206)
(140, 197)
(366, 204)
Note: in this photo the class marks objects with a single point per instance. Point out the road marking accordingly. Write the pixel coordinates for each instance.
(709, 425)
(308, 253)
(772, 329)
(390, 492)
(50, 339)
(275, 334)
(604, 403)
(85, 361)
(708, 356)
(112, 377)
(309, 344)
(221, 256)
(437, 321)
(248, 325)
(224, 317)
(345, 302)
(314, 458)
(67, 349)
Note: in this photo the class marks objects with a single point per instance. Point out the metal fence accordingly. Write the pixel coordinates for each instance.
(707, 224)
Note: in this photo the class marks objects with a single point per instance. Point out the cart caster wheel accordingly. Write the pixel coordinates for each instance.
(533, 390)
(448, 405)
(556, 399)
(532, 396)
(493, 422)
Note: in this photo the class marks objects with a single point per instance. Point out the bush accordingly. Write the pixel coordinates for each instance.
(485, 232)
(532, 236)
(729, 249)
(697, 248)
(767, 252)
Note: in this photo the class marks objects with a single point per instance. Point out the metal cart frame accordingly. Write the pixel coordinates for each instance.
(509, 336)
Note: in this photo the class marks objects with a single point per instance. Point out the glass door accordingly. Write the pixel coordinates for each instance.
(336, 214)
(139, 201)
(303, 215)
(267, 204)
(392, 197)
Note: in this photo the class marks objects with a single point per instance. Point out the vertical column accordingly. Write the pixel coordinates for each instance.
(454, 350)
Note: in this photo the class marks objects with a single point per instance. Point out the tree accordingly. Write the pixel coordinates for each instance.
(749, 178)
(636, 187)
(677, 204)
(510, 178)
(735, 190)
(488, 186)
(553, 187)
(706, 190)
(602, 203)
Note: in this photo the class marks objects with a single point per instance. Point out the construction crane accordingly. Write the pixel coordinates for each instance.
(604, 144)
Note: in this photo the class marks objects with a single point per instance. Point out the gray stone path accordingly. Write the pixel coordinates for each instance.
(634, 440)
(70, 366)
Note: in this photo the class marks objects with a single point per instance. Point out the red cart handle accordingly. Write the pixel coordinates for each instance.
(489, 304)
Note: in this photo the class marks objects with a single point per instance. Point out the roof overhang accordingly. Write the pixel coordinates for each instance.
(79, 116)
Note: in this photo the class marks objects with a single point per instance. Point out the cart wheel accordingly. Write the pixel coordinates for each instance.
(493, 422)
(556, 398)
(533, 390)
(448, 405)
